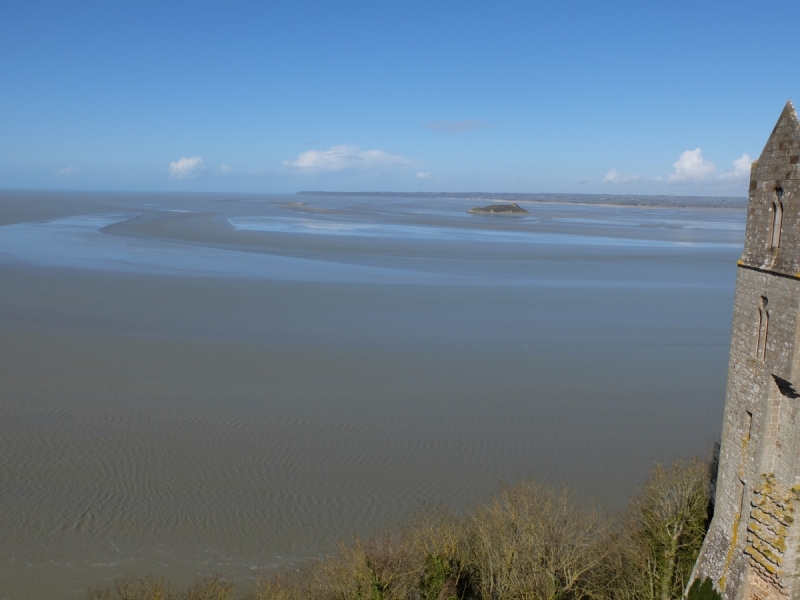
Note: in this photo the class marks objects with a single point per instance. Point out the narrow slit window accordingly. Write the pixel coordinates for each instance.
(763, 329)
(758, 332)
(748, 425)
(743, 512)
(777, 218)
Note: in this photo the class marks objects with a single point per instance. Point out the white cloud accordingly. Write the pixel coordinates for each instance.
(614, 176)
(186, 167)
(423, 175)
(225, 169)
(66, 171)
(337, 158)
(692, 168)
(454, 126)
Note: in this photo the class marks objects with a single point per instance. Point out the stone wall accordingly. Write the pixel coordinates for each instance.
(751, 550)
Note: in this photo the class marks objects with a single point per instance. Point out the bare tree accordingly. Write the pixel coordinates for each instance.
(210, 588)
(672, 514)
(534, 543)
(529, 542)
(383, 568)
(146, 588)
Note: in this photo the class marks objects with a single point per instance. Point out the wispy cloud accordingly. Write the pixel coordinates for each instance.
(337, 158)
(225, 169)
(455, 126)
(614, 176)
(424, 175)
(66, 171)
(186, 167)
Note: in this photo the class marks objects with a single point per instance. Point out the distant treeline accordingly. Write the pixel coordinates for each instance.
(529, 542)
(621, 200)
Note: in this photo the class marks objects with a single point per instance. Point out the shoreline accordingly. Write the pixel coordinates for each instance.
(645, 201)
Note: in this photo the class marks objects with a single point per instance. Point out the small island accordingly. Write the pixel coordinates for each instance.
(506, 209)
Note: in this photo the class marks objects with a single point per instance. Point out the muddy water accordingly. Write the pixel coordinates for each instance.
(223, 384)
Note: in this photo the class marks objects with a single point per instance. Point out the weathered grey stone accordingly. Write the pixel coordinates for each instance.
(752, 550)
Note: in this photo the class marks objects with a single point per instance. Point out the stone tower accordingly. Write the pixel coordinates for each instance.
(752, 549)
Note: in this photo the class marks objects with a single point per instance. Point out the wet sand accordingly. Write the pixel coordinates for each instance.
(180, 396)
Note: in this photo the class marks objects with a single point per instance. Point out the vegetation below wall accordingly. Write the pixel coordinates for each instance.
(529, 542)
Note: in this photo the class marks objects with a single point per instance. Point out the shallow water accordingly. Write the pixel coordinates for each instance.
(228, 383)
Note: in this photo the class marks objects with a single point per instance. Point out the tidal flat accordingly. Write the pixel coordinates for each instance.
(202, 383)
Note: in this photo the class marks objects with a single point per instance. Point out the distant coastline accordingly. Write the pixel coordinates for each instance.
(612, 199)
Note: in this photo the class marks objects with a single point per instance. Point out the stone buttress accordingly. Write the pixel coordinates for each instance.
(752, 547)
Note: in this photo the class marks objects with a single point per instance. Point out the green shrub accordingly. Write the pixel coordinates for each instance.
(436, 577)
(703, 591)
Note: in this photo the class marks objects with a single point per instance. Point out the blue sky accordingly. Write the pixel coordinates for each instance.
(593, 97)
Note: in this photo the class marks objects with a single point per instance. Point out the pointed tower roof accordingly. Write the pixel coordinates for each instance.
(772, 239)
(788, 112)
(788, 118)
(774, 159)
